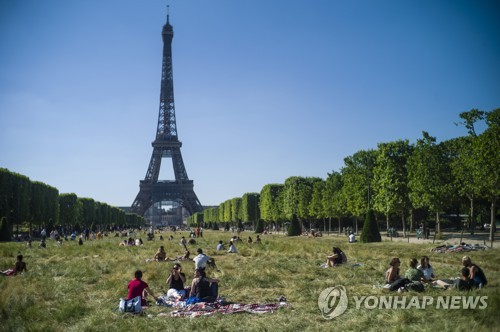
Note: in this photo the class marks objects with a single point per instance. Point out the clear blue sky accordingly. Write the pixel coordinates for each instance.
(264, 89)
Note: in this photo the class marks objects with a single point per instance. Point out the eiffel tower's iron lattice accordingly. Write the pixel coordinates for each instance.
(179, 192)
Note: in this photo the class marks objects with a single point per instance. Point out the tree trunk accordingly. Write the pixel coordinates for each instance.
(472, 219)
(387, 220)
(493, 221)
(438, 225)
(404, 224)
(411, 220)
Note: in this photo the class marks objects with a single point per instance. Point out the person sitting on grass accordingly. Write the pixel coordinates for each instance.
(220, 246)
(250, 241)
(335, 259)
(414, 274)
(257, 239)
(232, 248)
(464, 283)
(200, 260)
(392, 273)
(137, 287)
(160, 255)
(352, 238)
(19, 267)
(426, 269)
(175, 283)
(415, 277)
(204, 289)
(476, 273)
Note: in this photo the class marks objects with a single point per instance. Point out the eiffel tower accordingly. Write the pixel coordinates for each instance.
(161, 202)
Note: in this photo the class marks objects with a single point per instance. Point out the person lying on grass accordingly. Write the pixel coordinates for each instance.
(464, 283)
(19, 267)
(137, 287)
(184, 257)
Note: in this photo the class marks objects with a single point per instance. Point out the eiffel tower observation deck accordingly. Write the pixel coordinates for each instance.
(164, 202)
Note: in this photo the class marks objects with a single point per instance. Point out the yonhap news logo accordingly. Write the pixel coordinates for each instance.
(333, 302)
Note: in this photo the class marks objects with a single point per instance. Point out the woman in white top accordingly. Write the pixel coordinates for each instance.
(232, 248)
(426, 268)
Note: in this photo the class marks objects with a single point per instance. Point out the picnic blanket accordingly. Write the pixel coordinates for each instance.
(207, 309)
(464, 247)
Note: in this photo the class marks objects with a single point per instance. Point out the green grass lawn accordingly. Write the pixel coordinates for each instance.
(77, 288)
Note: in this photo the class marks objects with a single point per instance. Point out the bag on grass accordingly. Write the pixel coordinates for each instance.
(402, 282)
(344, 257)
(132, 305)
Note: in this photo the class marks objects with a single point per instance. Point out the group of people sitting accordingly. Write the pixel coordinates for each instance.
(202, 288)
(161, 256)
(417, 276)
(232, 247)
(132, 242)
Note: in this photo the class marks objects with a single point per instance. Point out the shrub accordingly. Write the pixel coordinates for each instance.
(260, 226)
(4, 230)
(294, 229)
(370, 232)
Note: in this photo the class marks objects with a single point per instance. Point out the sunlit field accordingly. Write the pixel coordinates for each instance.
(77, 288)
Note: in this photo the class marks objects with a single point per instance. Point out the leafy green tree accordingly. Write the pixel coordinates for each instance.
(36, 204)
(88, 211)
(69, 209)
(250, 208)
(222, 213)
(370, 232)
(357, 176)
(271, 203)
(236, 210)
(429, 175)
(390, 180)
(486, 166)
(228, 218)
(297, 196)
(463, 163)
(334, 200)
(316, 209)
(469, 120)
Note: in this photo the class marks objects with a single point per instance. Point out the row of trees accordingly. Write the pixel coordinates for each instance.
(400, 181)
(38, 205)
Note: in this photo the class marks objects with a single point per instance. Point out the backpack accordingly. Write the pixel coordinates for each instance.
(132, 305)
(401, 282)
(344, 257)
